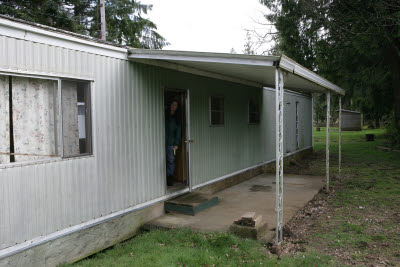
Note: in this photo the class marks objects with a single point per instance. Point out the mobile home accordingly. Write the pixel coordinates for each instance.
(82, 162)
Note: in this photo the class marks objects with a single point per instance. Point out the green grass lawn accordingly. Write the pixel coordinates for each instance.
(187, 248)
(359, 225)
(364, 211)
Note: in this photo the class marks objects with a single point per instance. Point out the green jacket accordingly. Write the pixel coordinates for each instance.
(173, 132)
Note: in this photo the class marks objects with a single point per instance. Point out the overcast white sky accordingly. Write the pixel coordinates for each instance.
(206, 25)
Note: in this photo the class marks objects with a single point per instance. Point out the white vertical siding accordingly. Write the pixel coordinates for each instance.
(128, 165)
(289, 131)
(218, 150)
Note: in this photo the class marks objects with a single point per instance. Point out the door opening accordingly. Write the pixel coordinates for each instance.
(176, 136)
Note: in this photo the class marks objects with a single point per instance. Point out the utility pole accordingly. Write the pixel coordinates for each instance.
(103, 19)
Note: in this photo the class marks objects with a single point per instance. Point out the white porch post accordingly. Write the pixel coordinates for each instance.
(279, 154)
(328, 117)
(340, 134)
(312, 121)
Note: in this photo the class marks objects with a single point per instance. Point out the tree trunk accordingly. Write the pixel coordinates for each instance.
(377, 124)
(394, 67)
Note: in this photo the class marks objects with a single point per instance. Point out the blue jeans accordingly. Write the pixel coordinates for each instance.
(170, 161)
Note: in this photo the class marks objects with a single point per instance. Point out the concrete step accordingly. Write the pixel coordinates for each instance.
(190, 203)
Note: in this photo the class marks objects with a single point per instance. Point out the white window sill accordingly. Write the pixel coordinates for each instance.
(42, 161)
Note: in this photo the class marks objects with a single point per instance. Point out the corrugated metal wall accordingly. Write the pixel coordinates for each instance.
(289, 131)
(351, 121)
(304, 106)
(128, 166)
(219, 150)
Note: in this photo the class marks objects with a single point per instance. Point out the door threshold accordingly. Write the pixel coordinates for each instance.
(176, 187)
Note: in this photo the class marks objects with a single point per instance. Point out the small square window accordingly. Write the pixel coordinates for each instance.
(254, 112)
(217, 111)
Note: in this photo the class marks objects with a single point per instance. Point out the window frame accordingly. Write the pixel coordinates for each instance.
(210, 111)
(297, 125)
(258, 112)
(60, 153)
(90, 116)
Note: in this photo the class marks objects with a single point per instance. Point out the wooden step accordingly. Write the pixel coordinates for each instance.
(190, 203)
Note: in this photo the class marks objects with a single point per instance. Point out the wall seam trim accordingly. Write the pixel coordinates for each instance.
(43, 75)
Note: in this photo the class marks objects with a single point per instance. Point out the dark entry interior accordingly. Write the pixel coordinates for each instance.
(180, 175)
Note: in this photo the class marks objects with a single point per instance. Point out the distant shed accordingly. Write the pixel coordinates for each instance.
(351, 120)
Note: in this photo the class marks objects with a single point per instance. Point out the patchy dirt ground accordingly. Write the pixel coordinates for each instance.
(358, 222)
(307, 230)
(313, 164)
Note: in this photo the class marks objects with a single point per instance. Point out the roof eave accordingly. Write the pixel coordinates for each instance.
(285, 63)
(293, 67)
(172, 55)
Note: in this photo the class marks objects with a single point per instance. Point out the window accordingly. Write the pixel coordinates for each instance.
(297, 126)
(254, 112)
(30, 125)
(76, 118)
(216, 111)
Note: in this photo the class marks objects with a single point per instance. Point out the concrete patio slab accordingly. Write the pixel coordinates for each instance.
(256, 194)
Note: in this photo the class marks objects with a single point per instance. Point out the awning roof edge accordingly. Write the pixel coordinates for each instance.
(256, 61)
(204, 57)
(292, 66)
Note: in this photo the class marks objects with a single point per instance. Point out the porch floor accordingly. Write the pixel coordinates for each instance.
(256, 194)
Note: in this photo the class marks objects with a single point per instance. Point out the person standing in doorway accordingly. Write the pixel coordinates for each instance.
(173, 133)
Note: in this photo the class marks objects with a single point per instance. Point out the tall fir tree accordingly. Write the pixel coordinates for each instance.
(354, 43)
(126, 24)
(248, 48)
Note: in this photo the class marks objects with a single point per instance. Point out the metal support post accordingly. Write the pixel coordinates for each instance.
(279, 154)
(328, 117)
(312, 121)
(340, 135)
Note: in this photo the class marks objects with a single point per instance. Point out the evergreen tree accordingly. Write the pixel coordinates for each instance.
(354, 43)
(248, 46)
(47, 12)
(125, 22)
(125, 25)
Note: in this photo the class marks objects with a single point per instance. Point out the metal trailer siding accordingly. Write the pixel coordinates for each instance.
(351, 121)
(219, 150)
(289, 113)
(128, 165)
(41, 198)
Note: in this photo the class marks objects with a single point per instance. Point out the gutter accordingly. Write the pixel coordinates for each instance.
(292, 66)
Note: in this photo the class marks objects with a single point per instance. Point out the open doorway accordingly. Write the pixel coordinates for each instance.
(176, 138)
